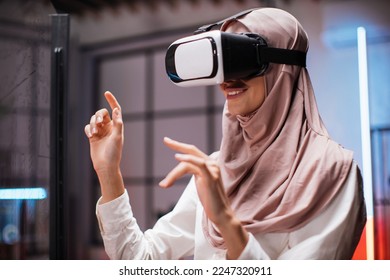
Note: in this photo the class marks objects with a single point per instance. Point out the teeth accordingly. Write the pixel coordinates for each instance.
(232, 93)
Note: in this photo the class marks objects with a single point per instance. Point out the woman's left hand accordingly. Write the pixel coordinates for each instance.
(211, 193)
(207, 179)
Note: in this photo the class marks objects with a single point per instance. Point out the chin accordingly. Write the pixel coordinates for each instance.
(234, 112)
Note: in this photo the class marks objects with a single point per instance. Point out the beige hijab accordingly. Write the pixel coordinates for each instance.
(279, 166)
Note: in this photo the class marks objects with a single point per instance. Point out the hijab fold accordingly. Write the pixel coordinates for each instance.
(279, 166)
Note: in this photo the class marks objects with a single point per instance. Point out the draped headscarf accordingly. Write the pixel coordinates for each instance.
(279, 166)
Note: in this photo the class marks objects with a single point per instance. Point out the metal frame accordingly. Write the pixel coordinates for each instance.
(58, 139)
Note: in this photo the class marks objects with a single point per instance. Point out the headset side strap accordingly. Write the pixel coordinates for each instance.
(282, 56)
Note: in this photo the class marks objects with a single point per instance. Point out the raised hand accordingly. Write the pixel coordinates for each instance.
(106, 142)
(207, 178)
(210, 191)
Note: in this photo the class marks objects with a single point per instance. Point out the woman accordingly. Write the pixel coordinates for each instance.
(279, 188)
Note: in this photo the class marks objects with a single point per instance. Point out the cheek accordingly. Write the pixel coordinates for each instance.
(259, 91)
(258, 99)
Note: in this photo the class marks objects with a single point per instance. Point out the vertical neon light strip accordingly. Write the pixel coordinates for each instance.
(366, 138)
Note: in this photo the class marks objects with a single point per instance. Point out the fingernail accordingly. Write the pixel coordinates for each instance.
(162, 183)
(99, 119)
(94, 130)
(179, 156)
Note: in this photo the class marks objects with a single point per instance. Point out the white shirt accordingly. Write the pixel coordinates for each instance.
(179, 233)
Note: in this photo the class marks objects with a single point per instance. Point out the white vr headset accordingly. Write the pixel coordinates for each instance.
(212, 57)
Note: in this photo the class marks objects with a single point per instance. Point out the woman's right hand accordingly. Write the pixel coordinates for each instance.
(106, 136)
(106, 142)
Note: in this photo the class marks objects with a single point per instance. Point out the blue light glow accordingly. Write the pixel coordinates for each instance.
(365, 119)
(366, 137)
(23, 193)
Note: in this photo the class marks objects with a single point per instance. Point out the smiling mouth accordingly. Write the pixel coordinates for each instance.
(233, 93)
(234, 89)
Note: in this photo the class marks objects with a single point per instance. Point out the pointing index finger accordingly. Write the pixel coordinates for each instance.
(184, 148)
(112, 100)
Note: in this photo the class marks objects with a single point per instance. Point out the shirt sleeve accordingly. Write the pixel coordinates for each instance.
(172, 237)
(334, 234)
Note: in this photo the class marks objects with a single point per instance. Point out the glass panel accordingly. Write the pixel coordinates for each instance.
(381, 180)
(24, 130)
(219, 97)
(133, 159)
(191, 130)
(379, 83)
(139, 205)
(166, 199)
(172, 97)
(125, 78)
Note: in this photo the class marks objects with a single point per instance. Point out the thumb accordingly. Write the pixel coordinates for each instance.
(117, 120)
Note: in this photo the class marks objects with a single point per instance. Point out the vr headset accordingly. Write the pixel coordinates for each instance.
(212, 57)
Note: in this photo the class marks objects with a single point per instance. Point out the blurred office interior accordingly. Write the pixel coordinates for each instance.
(120, 46)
